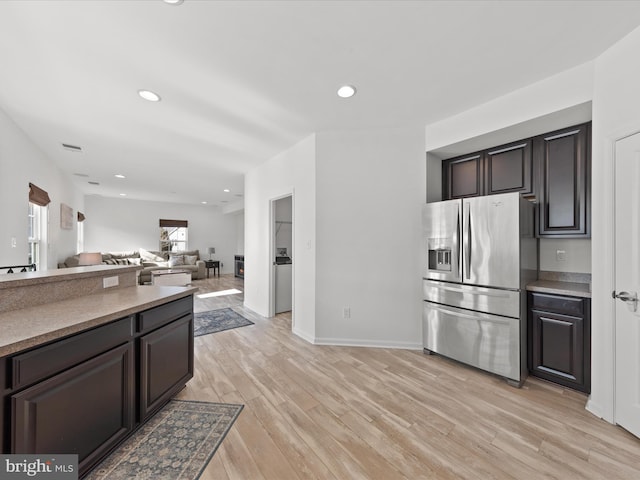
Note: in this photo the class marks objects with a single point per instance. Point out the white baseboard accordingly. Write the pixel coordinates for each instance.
(350, 342)
(596, 410)
(303, 335)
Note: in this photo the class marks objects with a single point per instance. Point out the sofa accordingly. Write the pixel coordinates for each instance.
(150, 260)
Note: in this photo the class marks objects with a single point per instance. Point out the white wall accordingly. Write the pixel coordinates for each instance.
(615, 114)
(239, 219)
(370, 190)
(577, 255)
(290, 172)
(22, 162)
(513, 116)
(115, 224)
(434, 178)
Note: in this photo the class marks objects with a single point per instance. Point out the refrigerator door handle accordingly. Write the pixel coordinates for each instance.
(457, 242)
(467, 240)
(471, 316)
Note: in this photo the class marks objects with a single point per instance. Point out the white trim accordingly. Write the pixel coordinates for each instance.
(351, 342)
(302, 335)
(603, 259)
(272, 252)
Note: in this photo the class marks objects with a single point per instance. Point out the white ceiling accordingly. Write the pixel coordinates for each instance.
(244, 80)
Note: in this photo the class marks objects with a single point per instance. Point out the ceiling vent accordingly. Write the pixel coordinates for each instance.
(71, 148)
(94, 183)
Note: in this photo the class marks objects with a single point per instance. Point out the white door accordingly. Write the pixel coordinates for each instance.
(627, 284)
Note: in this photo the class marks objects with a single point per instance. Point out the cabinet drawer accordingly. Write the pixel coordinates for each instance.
(557, 303)
(158, 316)
(38, 364)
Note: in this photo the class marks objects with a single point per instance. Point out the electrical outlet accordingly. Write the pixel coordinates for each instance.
(561, 255)
(346, 312)
(14, 243)
(110, 282)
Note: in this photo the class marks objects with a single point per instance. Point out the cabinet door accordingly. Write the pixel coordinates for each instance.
(166, 363)
(558, 349)
(508, 169)
(562, 161)
(462, 177)
(85, 410)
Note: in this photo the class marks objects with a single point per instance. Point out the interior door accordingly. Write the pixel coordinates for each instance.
(627, 283)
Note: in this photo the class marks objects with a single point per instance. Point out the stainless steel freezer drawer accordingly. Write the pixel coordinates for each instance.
(482, 299)
(489, 342)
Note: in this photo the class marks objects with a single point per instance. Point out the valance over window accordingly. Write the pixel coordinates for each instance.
(38, 196)
(173, 223)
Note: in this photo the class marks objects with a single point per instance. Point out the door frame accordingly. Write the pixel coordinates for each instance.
(272, 253)
(602, 400)
(614, 286)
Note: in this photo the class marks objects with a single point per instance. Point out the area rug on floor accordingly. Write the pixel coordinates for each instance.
(217, 321)
(176, 444)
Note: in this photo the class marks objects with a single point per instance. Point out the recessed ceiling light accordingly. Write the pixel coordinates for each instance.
(204, 203)
(117, 175)
(174, 2)
(226, 190)
(346, 91)
(149, 95)
(123, 194)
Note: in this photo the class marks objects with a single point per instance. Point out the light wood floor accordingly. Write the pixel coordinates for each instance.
(368, 413)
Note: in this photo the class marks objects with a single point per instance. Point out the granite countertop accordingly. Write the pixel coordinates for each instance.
(21, 279)
(29, 327)
(561, 288)
(562, 283)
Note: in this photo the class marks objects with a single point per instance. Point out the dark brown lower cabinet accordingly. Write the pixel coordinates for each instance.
(85, 410)
(560, 339)
(86, 393)
(166, 363)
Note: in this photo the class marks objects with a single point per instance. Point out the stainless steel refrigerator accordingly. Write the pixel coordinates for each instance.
(480, 254)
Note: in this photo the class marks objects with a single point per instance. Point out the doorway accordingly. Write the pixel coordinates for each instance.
(627, 283)
(282, 255)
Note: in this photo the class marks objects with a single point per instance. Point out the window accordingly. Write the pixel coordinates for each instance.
(37, 235)
(173, 235)
(80, 232)
(80, 238)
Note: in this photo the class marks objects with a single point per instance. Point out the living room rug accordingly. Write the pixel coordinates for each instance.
(217, 320)
(175, 444)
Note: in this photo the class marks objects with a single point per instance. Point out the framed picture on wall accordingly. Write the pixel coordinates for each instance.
(66, 217)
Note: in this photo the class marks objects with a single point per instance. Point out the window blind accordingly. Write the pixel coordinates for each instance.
(173, 223)
(38, 196)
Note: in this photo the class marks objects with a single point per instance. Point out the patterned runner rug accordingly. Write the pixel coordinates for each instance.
(217, 321)
(175, 444)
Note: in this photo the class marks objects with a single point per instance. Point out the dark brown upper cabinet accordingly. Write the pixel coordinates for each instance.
(509, 169)
(562, 160)
(503, 169)
(463, 177)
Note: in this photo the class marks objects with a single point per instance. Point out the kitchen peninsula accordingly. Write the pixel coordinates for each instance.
(86, 357)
